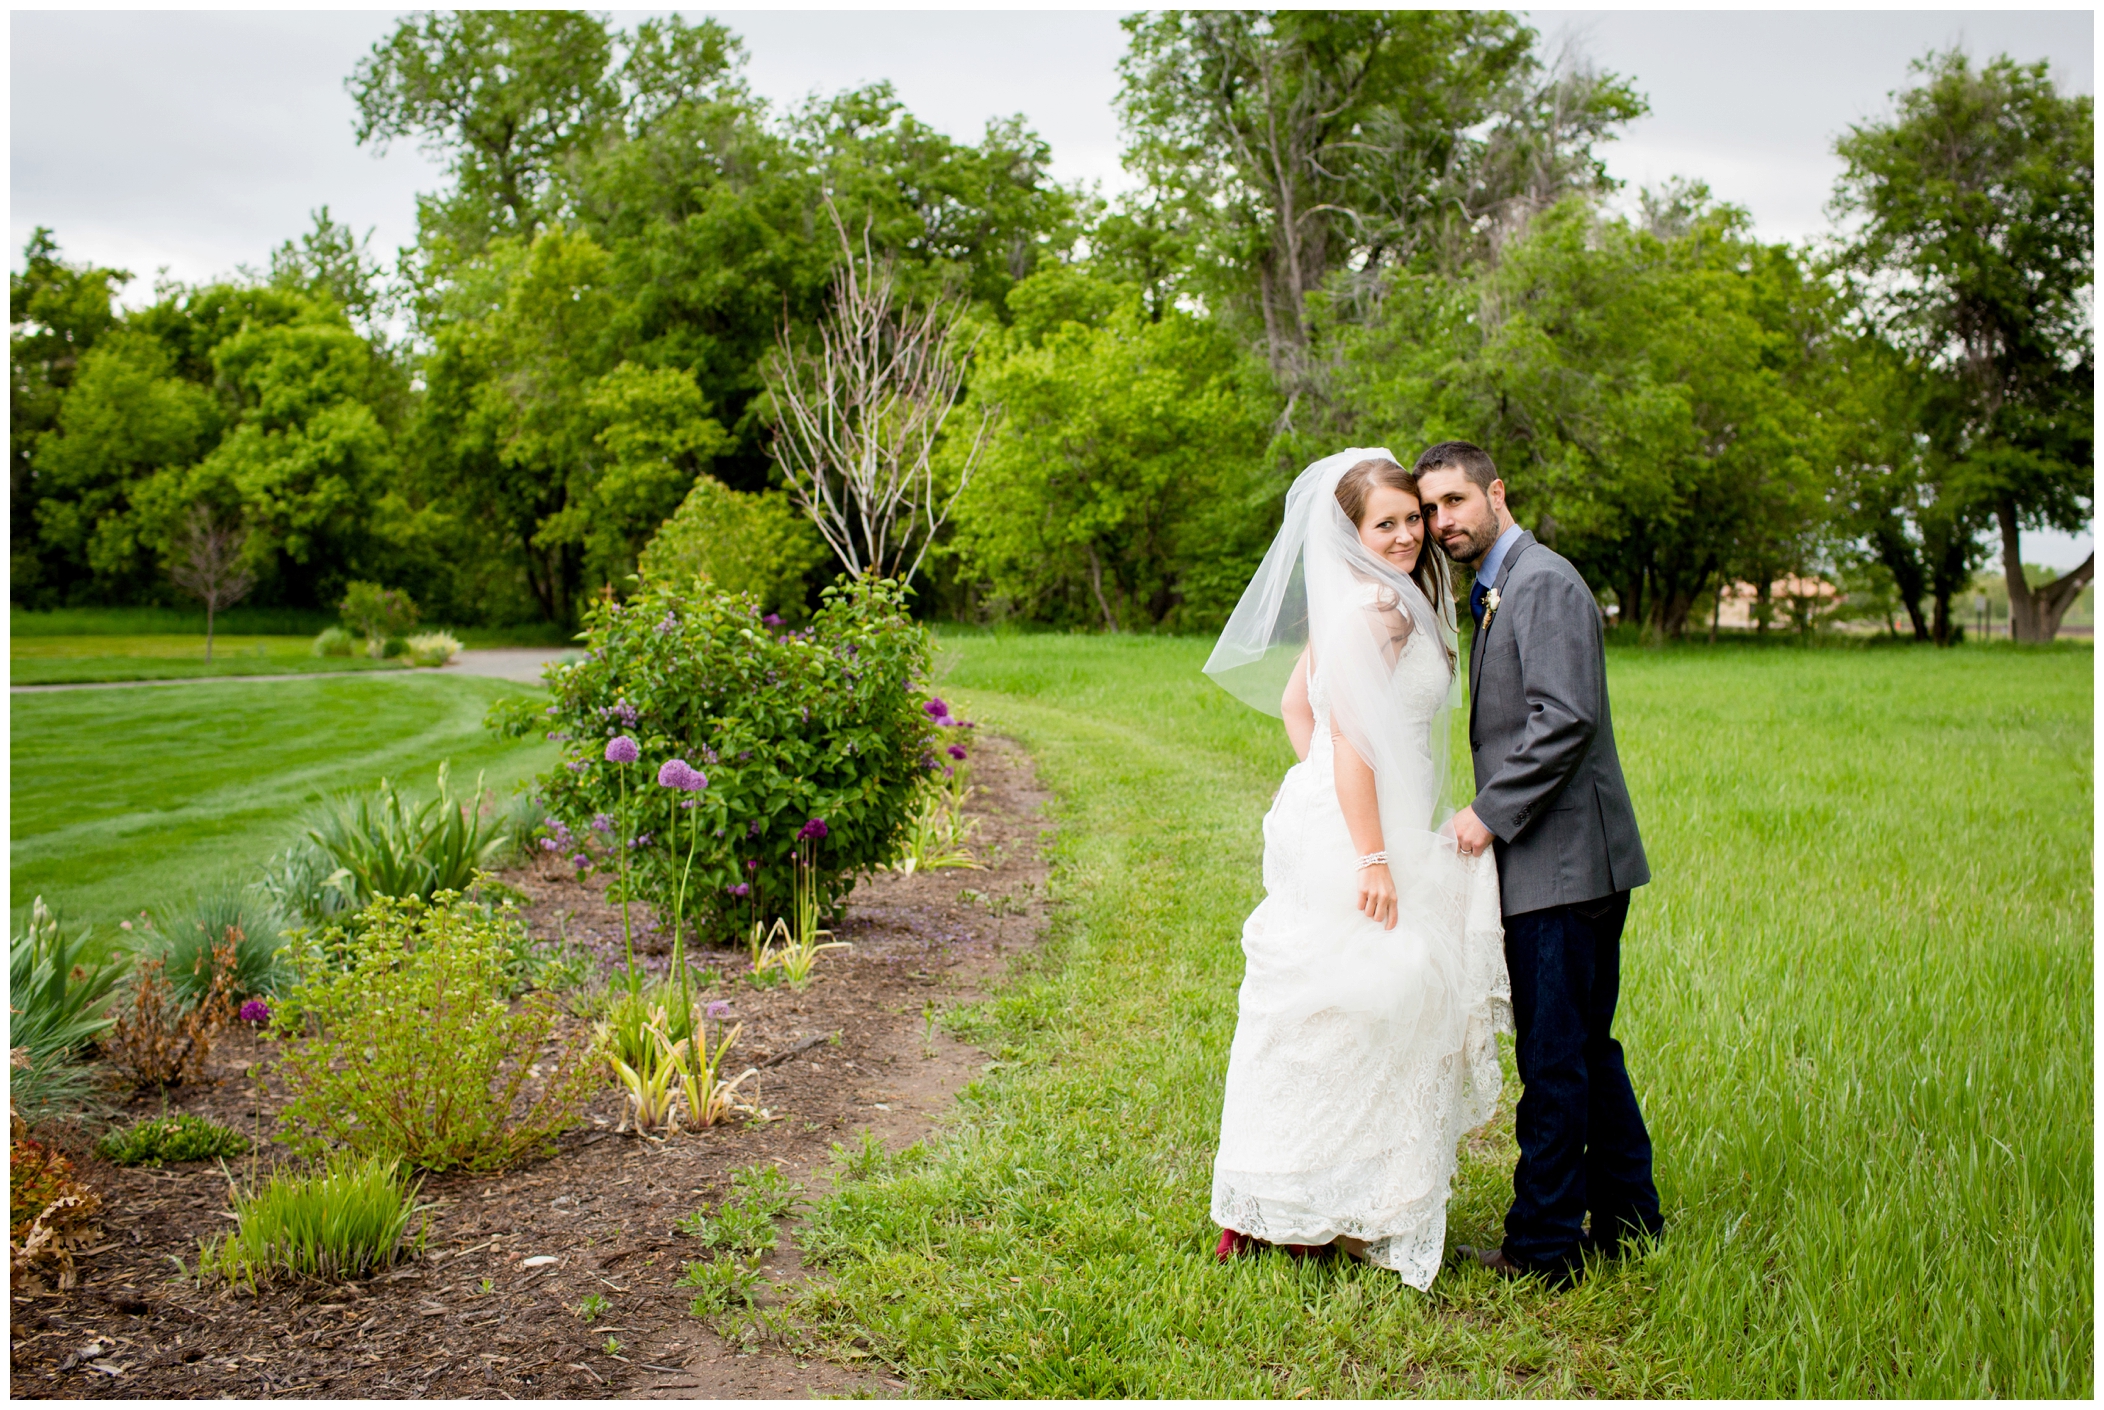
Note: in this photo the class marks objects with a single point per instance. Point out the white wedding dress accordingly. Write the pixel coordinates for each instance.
(1361, 1055)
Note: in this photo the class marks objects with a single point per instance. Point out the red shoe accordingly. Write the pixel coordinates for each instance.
(1233, 1244)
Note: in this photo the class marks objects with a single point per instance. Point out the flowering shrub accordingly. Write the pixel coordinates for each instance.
(815, 735)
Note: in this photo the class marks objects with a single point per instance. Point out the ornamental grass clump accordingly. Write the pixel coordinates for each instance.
(821, 722)
(386, 846)
(58, 1003)
(346, 1219)
(411, 1049)
(164, 1138)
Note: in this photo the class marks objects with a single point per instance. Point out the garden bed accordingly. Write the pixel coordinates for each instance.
(603, 1207)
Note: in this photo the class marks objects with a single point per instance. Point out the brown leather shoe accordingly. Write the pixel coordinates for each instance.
(1494, 1259)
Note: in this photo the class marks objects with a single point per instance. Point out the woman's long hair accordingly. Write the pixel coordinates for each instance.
(1430, 571)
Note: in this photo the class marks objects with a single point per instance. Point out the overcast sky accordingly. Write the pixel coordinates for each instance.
(196, 141)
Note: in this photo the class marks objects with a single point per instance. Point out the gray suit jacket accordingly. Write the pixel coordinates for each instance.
(1548, 780)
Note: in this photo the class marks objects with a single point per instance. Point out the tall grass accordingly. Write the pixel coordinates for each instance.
(1856, 1003)
(343, 1220)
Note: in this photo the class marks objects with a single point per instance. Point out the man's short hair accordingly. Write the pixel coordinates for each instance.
(1471, 460)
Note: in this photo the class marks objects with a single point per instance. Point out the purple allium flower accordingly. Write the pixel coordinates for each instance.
(602, 822)
(946, 722)
(772, 619)
(255, 1011)
(677, 773)
(621, 750)
(936, 709)
(812, 830)
(718, 1008)
(955, 751)
(741, 889)
(580, 861)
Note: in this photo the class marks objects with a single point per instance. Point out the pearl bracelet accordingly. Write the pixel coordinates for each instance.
(1372, 859)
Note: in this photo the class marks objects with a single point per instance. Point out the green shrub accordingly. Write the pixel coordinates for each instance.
(185, 939)
(751, 543)
(380, 615)
(345, 1220)
(787, 726)
(387, 847)
(412, 1050)
(333, 641)
(161, 1138)
(58, 1003)
(433, 648)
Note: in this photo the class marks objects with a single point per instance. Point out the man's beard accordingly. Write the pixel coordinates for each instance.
(1478, 540)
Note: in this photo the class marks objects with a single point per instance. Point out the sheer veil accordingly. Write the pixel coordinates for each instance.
(1319, 587)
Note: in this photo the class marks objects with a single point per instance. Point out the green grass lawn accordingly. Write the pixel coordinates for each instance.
(1857, 1006)
(52, 660)
(125, 800)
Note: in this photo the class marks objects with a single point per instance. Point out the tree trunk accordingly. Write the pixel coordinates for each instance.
(2052, 601)
(1763, 592)
(208, 629)
(2023, 613)
(1908, 579)
(1110, 618)
(1940, 619)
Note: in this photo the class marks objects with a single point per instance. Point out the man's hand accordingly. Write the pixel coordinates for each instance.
(1475, 839)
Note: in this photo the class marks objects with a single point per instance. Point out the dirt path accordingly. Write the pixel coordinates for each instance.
(472, 1319)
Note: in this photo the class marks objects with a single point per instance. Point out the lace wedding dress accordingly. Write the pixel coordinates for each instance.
(1363, 1055)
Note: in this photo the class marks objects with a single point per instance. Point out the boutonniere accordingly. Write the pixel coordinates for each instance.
(1490, 606)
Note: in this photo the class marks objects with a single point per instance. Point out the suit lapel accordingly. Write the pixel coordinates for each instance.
(1475, 651)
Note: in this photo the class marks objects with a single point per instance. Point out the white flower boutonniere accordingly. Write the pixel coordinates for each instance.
(1490, 608)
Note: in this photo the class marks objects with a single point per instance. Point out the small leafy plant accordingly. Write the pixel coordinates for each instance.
(163, 1138)
(720, 1284)
(592, 1308)
(333, 641)
(347, 1219)
(735, 1226)
(650, 1080)
(412, 1050)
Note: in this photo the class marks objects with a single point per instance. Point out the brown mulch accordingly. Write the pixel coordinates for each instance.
(603, 1206)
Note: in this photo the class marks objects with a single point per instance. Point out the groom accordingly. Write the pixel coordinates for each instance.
(1551, 801)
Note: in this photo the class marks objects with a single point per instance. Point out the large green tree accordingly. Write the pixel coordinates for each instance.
(1301, 146)
(56, 313)
(1123, 485)
(1974, 211)
(1652, 390)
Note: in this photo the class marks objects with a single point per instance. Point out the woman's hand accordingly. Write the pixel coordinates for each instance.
(1377, 894)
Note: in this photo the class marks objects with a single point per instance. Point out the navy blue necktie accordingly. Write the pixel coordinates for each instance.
(1476, 595)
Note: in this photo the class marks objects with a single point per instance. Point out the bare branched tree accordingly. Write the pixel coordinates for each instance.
(208, 564)
(863, 413)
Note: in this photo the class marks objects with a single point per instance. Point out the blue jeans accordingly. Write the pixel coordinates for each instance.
(1583, 1146)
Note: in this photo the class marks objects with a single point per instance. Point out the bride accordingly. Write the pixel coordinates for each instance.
(1375, 970)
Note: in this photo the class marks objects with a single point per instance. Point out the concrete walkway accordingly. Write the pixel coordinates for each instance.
(522, 664)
